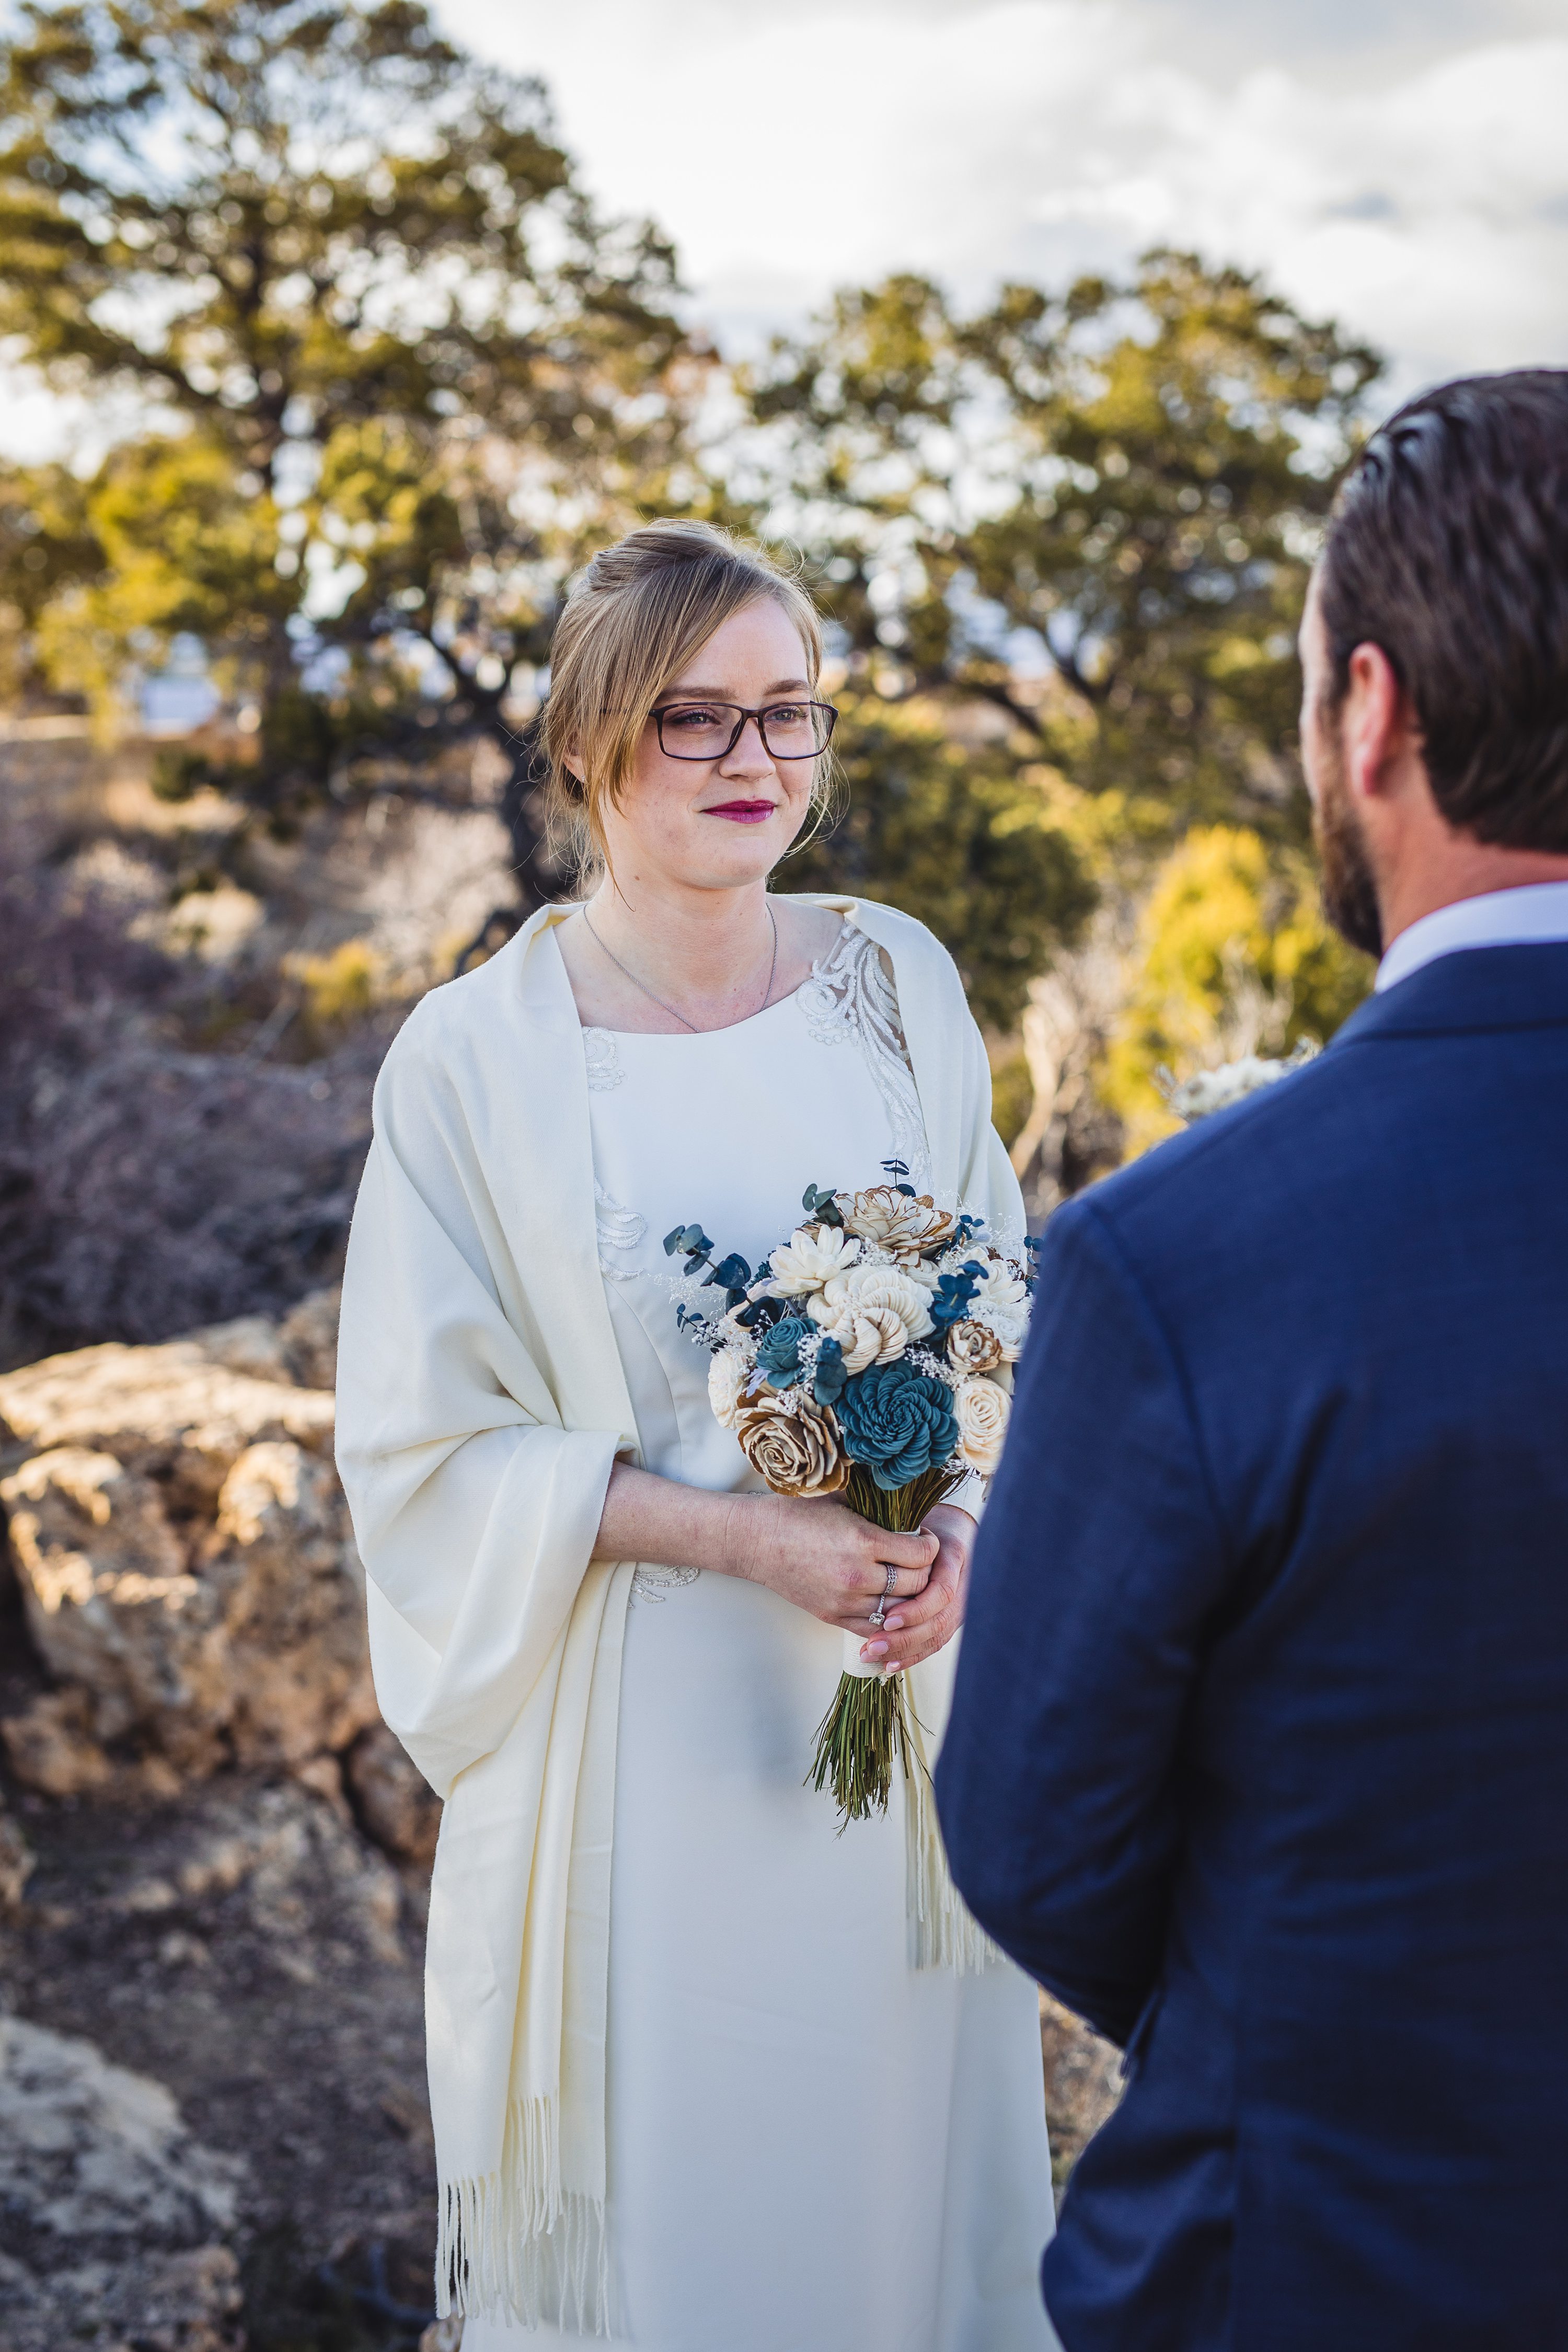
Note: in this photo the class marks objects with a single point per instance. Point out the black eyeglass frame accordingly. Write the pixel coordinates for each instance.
(760, 715)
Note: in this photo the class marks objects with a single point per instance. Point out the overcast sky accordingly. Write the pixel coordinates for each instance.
(1401, 165)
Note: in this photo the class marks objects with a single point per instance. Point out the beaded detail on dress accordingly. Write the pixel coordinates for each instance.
(850, 996)
(604, 1063)
(619, 1228)
(658, 1583)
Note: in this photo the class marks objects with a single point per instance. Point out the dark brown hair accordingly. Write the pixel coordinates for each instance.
(1449, 548)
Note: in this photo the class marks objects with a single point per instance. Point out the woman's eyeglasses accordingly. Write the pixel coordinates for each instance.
(710, 730)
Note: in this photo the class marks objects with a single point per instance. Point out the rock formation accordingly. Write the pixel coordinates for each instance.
(113, 2221)
(205, 1782)
(202, 1784)
(185, 1560)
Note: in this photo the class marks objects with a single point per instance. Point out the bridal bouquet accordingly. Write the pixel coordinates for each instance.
(870, 1356)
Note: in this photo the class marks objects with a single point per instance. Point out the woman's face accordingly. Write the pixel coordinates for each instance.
(718, 821)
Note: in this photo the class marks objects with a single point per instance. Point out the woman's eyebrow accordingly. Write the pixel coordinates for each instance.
(721, 694)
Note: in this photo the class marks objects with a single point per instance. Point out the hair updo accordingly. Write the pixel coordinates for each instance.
(632, 622)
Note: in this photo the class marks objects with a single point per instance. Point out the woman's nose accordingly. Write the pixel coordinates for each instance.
(750, 756)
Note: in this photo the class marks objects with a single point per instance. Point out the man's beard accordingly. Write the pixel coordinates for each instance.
(1350, 894)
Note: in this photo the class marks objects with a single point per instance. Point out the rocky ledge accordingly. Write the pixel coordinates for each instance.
(214, 1866)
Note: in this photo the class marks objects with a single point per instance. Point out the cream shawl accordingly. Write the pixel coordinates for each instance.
(481, 1405)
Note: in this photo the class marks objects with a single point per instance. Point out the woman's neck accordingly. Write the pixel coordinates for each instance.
(645, 959)
(706, 952)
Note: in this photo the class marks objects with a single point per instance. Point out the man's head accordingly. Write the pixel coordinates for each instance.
(1435, 654)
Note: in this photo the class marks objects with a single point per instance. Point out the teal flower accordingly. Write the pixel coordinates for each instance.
(779, 1354)
(828, 1383)
(897, 1421)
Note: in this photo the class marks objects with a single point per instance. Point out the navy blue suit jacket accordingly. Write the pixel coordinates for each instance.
(1259, 1750)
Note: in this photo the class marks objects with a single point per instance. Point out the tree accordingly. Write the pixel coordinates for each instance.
(1119, 486)
(1090, 513)
(952, 835)
(390, 372)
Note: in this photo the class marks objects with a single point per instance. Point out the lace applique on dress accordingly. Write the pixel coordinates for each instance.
(604, 1063)
(619, 1228)
(658, 1583)
(850, 995)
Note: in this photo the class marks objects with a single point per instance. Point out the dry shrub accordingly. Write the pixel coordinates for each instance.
(147, 1189)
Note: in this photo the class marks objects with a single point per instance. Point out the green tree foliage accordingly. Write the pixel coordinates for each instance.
(1234, 956)
(1121, 484)
(390, 370)
(957, 837)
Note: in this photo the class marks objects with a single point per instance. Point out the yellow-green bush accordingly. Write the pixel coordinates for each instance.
(1233, 955)
(343, 987)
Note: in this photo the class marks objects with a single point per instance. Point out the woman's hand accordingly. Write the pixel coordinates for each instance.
(927, 1623)
(825, 1559)
(815, 1555)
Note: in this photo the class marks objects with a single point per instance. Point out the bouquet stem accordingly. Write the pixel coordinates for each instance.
(867, 1723)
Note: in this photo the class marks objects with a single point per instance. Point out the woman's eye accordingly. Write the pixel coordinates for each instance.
(694, 714)
(787, 714)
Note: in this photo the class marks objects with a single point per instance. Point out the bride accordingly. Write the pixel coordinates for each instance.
(706, 2076)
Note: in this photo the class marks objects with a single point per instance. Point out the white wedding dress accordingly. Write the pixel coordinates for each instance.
(813, 2146)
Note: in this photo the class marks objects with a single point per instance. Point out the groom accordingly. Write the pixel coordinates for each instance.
(1259, 1750)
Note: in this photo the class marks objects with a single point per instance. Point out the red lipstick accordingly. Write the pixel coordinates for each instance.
(742, 812)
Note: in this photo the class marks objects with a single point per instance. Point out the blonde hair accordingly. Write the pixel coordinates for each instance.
(632, 622)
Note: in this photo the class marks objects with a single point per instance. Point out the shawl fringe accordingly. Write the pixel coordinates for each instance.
(943, 1931)
(516, 2247)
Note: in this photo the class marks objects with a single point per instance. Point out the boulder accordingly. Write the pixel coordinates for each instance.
(1083, 2084)
(303, 1349)
(16, 1863)
(111, 1601)
(393, 1799)
(184, 1553)
(51, 1748)
(310, 1335)
(281, 1556)
(174, 1413)
(292, 1869)
(113, 2221)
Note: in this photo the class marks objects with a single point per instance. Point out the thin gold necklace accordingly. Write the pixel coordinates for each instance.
(673, 1011)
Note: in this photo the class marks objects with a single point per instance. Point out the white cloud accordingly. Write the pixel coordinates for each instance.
(1425, 204)
(1399, 164)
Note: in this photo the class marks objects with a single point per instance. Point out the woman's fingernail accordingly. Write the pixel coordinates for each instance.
(895, 1624)
(874, 1650)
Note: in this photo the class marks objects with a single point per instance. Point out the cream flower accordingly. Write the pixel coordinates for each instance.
(870, 1335)
(811, 1255)
(982, 1409)
(894, 1220)
(1002, 1303)
(866, 1287)
(973, 1347)
(793, 1444)
(873, 1312)
(727, 1376)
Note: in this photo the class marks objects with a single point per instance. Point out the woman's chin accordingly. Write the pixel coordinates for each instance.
(739, 855)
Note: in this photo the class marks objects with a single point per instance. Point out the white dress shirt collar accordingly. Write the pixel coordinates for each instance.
(1535, 913)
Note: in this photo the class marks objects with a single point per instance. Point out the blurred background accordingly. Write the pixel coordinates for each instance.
(332, 341)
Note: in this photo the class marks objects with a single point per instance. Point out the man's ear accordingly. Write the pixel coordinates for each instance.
(1378, 725)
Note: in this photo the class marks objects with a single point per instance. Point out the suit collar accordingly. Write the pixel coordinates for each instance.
(1471, 989)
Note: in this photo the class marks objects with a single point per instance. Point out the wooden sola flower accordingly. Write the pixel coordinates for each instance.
(908, 1225)
(792, 1443)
